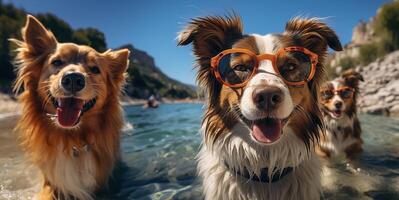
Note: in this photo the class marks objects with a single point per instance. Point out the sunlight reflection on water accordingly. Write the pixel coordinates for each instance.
(159, 148)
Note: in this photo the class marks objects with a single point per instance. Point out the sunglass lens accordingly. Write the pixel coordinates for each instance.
(346, 94)
(236, 68)
(294, 66)
(327, 94)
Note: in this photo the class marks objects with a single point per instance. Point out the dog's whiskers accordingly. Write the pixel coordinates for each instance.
(46, 100)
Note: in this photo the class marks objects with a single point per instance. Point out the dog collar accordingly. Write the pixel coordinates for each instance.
(264, 177)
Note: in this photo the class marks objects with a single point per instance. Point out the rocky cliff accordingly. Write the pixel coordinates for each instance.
(363, 33)
(379, 94)
(146, 79)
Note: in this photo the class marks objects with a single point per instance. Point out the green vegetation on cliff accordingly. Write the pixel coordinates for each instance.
(371, 41)
(386, 27)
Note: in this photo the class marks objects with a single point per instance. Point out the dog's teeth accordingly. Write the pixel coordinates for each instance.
(52, 116)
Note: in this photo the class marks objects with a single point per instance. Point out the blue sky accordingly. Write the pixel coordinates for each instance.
(152, 25)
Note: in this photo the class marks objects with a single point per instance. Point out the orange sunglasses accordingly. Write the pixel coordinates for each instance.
(344, 92)
(235, 67)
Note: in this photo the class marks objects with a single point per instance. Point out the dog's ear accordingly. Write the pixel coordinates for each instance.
(37, 38)
(313, 34)
(352, 78)
(210, 36)
(118, 61)
(186, 36)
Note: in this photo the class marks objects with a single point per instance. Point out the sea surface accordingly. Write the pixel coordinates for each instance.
(159, 148)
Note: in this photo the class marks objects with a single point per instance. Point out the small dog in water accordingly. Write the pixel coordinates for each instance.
(262, 117)
(71, 116)
(338, 105)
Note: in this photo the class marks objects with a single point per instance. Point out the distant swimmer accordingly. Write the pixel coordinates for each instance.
(151, 102)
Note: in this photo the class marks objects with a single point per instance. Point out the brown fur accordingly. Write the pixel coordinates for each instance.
(349, 78)
(211, 35)
(99, 127)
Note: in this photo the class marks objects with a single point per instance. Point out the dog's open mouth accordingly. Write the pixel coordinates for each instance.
(69, 110)
(335, 113)
(267, 130)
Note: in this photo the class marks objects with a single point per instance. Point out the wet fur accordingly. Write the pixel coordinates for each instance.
(342, 136)
(226, 138)
(48, 146)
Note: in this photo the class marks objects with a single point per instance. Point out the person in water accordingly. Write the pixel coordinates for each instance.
(151, 102)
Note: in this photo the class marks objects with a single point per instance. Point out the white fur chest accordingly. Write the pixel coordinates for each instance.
(74, 175)
(335, 139)
(222, 184)
(239, 151)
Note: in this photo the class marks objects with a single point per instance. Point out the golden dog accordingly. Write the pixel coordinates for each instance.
(71, 116)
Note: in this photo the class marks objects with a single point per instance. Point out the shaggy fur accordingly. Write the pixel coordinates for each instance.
(76, 161)
(342, 133)
(227, 137)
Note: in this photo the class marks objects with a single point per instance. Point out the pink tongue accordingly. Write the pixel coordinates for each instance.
(68, 111)
(267, 130)
(337, 113)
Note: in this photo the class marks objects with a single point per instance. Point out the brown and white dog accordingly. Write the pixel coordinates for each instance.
(262, 114)
(71, 116)
(342, 127)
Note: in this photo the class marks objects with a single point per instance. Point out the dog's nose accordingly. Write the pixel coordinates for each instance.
(73, 82)
(338, 104)
(267, 98)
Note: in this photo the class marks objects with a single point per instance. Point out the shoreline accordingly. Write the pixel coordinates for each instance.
(10, 108)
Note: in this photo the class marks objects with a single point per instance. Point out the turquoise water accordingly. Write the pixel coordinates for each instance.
(159, 148)
(160, 152)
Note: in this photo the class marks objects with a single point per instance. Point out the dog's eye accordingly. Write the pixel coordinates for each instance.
(290, 67)
(94, 70)
(241, 68)
(57, 62)
(327, 94)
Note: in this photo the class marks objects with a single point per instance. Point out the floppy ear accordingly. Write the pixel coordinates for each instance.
(210, 36)
(313, 34)
(352, 78)
(119, 62)
(37, 38)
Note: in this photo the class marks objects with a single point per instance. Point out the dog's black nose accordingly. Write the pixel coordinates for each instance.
(338, 104)
(73, 82)
(267, 98)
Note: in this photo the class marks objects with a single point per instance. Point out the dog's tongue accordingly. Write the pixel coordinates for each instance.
(267, 130)
(337, 113)
(68, 111)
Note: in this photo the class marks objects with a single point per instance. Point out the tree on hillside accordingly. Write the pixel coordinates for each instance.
(91, 37)
(388, 23)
